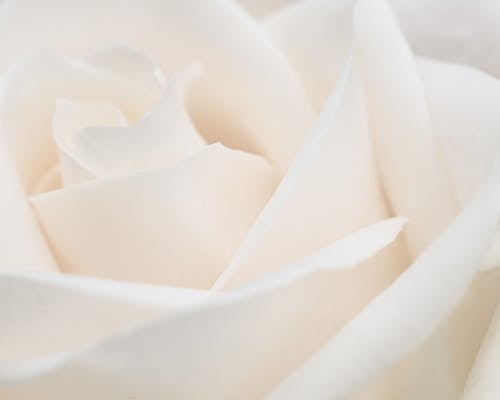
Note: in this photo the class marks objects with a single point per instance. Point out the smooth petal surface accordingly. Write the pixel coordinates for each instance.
(462, 106)
(47, 314)
(32, 88)
(28, 152)
(250, 97)
(484, 382)
(52, 180)
(329, 191)
(462, 103)
(413, 171)
(465, 32)
(400, 315)
(177, 226)
(128, 63)
(69, 117)
(236, 346)
(163, 137)
(438, 368)
(316, 36)
(21, 242)
(259, 8)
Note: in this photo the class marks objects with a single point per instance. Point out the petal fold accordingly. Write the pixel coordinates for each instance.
(162, 137)
(250, 98)
(47, 314)
(401, 315)
(483, 383)
(237, 345)
(414, 173)
(177, 226)
(330, 190)
(316, 37)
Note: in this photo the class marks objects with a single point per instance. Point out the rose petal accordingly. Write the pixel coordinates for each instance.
(464, 32)
(32, 89)
(70, 116)
(316, 36)
(236, 346)
(438, 368)
(251, 98)
(461, 102)
(43, 314)
(164, 136)
(52, 180)
(468, 324)
(259, 8)
(21, 242)
(175, 226)
(28, 152)
(400, 318)
(412, 168)
(483, 383)
(462, 105)
(329, 191)
(128, 63)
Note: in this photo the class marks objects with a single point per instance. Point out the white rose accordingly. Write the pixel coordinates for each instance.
(202, 200)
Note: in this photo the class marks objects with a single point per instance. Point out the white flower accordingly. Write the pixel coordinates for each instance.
(204, 200)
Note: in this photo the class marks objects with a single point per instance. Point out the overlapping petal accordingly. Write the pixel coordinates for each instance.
(464, 32)
(28, 95)
(163, 137)
(462, 103)
(71, 116)
(433, 144)
(19, 230)
(235, 346)
(316, 37)
(260, 8)
(250, 98)
(47, 314)
(176, 225)
(330, 190)
(32, 89)
(414, 173)
(483, 382)
(401, 315)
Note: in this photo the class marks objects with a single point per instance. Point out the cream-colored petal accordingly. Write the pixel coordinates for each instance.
(413, 171)
(31, 89)
(46, 314)
(234, 347)
(260, 8)
(484, 382)
(468, 324)
(405, 314)
(250, 98)
(21, 242)
(28, 95)
(128, 63)
(316, 36)
(52, 180)
(466, 32)
(329, 191)
(176, 226)
(164, 136)
(69, 117)
(439, 367)
(462, 105)
(492, 259)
